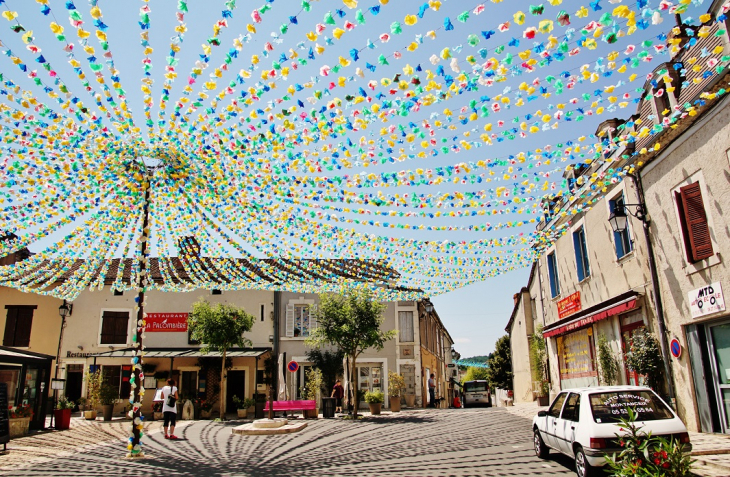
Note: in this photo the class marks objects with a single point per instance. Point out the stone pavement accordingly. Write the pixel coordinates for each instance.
(438, 442)
(712, 451)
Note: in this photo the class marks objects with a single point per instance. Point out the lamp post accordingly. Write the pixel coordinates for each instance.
(619, 222)
(64, 311)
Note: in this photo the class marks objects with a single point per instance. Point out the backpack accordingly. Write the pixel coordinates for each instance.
(170, 401)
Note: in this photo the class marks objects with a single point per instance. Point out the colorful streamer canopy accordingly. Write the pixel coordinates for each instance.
(398, 147)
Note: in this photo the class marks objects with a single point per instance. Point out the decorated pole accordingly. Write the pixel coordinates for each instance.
(135, 444)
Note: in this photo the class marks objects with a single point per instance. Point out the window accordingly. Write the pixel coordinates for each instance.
(553, 274)
(299, 320)
(611, 407)
(118, 376)
(263, 308)
(114, 327)
(17, 326)
(405, 326)
(216, 292)
(581, 254)
(557, 405)
(118, 292)
(571, 411)
(693, 220)
(621, 240)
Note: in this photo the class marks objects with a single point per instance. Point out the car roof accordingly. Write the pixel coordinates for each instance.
(606, 389)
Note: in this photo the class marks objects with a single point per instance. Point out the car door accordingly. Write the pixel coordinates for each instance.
(551, 421)
(567, 424)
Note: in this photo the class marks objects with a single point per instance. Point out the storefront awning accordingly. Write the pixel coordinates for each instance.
(181, 353)
(615, 306)
(12, 355)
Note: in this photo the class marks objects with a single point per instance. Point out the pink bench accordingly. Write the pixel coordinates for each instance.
(293, 405)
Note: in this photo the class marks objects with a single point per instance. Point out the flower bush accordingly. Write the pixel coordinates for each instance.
(396, 384)
(24, 410)
(645, 455)
(206, 405)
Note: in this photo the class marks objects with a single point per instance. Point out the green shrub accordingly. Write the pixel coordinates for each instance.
(374, 397)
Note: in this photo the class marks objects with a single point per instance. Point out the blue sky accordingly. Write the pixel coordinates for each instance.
(476, 314)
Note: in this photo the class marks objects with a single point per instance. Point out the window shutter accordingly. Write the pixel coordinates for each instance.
(121, 328)
(23, 326)
(107, 329)
(290, 320)
(10, 323)
(312, 318)
(695, 218)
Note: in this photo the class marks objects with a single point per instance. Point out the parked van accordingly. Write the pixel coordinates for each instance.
(477, 393)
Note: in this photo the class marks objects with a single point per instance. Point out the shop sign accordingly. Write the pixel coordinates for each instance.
(70, 354)
(166, 322)
(569, 305)
(706, 300)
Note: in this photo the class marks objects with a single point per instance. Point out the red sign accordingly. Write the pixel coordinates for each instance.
(569, 305)
(166, 322)
(676, 348)
(590, 319)
(293, 366)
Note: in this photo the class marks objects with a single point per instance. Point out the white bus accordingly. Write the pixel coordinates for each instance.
(477, 393)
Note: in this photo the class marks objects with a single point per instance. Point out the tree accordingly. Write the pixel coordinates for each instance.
(500, 364)
(473, 373)
(352, 323)
(219, 328)
(330, 363)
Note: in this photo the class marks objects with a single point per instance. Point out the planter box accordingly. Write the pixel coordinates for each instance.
(375, 408)
(242, 413)
(395, 404)
(19, 427)
(410, 400)
(108, 411)
(90, 415)
(62, 418)
(311, 414)
(543, 401)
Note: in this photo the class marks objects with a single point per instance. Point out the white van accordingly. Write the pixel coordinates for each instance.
(477, 393)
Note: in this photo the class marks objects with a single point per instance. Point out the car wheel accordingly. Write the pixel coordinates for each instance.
(541, 449)
(582, 467)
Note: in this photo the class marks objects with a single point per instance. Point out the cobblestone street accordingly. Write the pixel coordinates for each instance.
(412, 443)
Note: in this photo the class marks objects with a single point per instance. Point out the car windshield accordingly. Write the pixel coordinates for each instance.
(612, 406)
(475, 387)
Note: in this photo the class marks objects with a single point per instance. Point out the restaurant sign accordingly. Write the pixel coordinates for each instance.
(706, 300)
(569, 305)
(166, 322)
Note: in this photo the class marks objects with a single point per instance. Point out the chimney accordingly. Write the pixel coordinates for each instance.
(516, 298)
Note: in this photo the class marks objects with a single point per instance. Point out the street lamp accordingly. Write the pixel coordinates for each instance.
(619, 218)
(454, 354)
(429, 307)
(64, 311)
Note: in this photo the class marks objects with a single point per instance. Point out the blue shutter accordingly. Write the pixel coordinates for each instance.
(578, 255)
(617, 238)
(553, 275)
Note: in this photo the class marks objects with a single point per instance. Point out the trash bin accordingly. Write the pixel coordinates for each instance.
(328, 407)
(260, 404)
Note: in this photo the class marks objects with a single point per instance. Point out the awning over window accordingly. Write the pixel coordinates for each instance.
(13, 355)
(615, 306)
(182, 353)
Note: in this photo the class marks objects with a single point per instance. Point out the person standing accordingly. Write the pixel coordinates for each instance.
(432, 390)
(338, 392)
(169, 408)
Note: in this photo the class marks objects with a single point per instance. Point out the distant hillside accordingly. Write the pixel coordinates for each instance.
(478, 359)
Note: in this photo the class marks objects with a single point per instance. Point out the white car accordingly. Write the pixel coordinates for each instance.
(582, 423)
(477, 393)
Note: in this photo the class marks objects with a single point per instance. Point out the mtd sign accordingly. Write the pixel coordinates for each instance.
(706, 300)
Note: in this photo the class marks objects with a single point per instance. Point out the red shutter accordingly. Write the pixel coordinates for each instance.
(23, 326)
(10, 323)
(698, 231)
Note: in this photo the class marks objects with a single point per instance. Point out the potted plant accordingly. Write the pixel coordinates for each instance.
(20, 420)
(375, 401)
(205, 409)
(81, 402)
(108, 397)
(396, 386)
(62, 413)
(242, 406)
(93, 394)
(310, 391)
(157, 411)
(410, 400)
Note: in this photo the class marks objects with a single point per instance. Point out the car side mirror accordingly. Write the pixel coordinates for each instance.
(541, 413)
